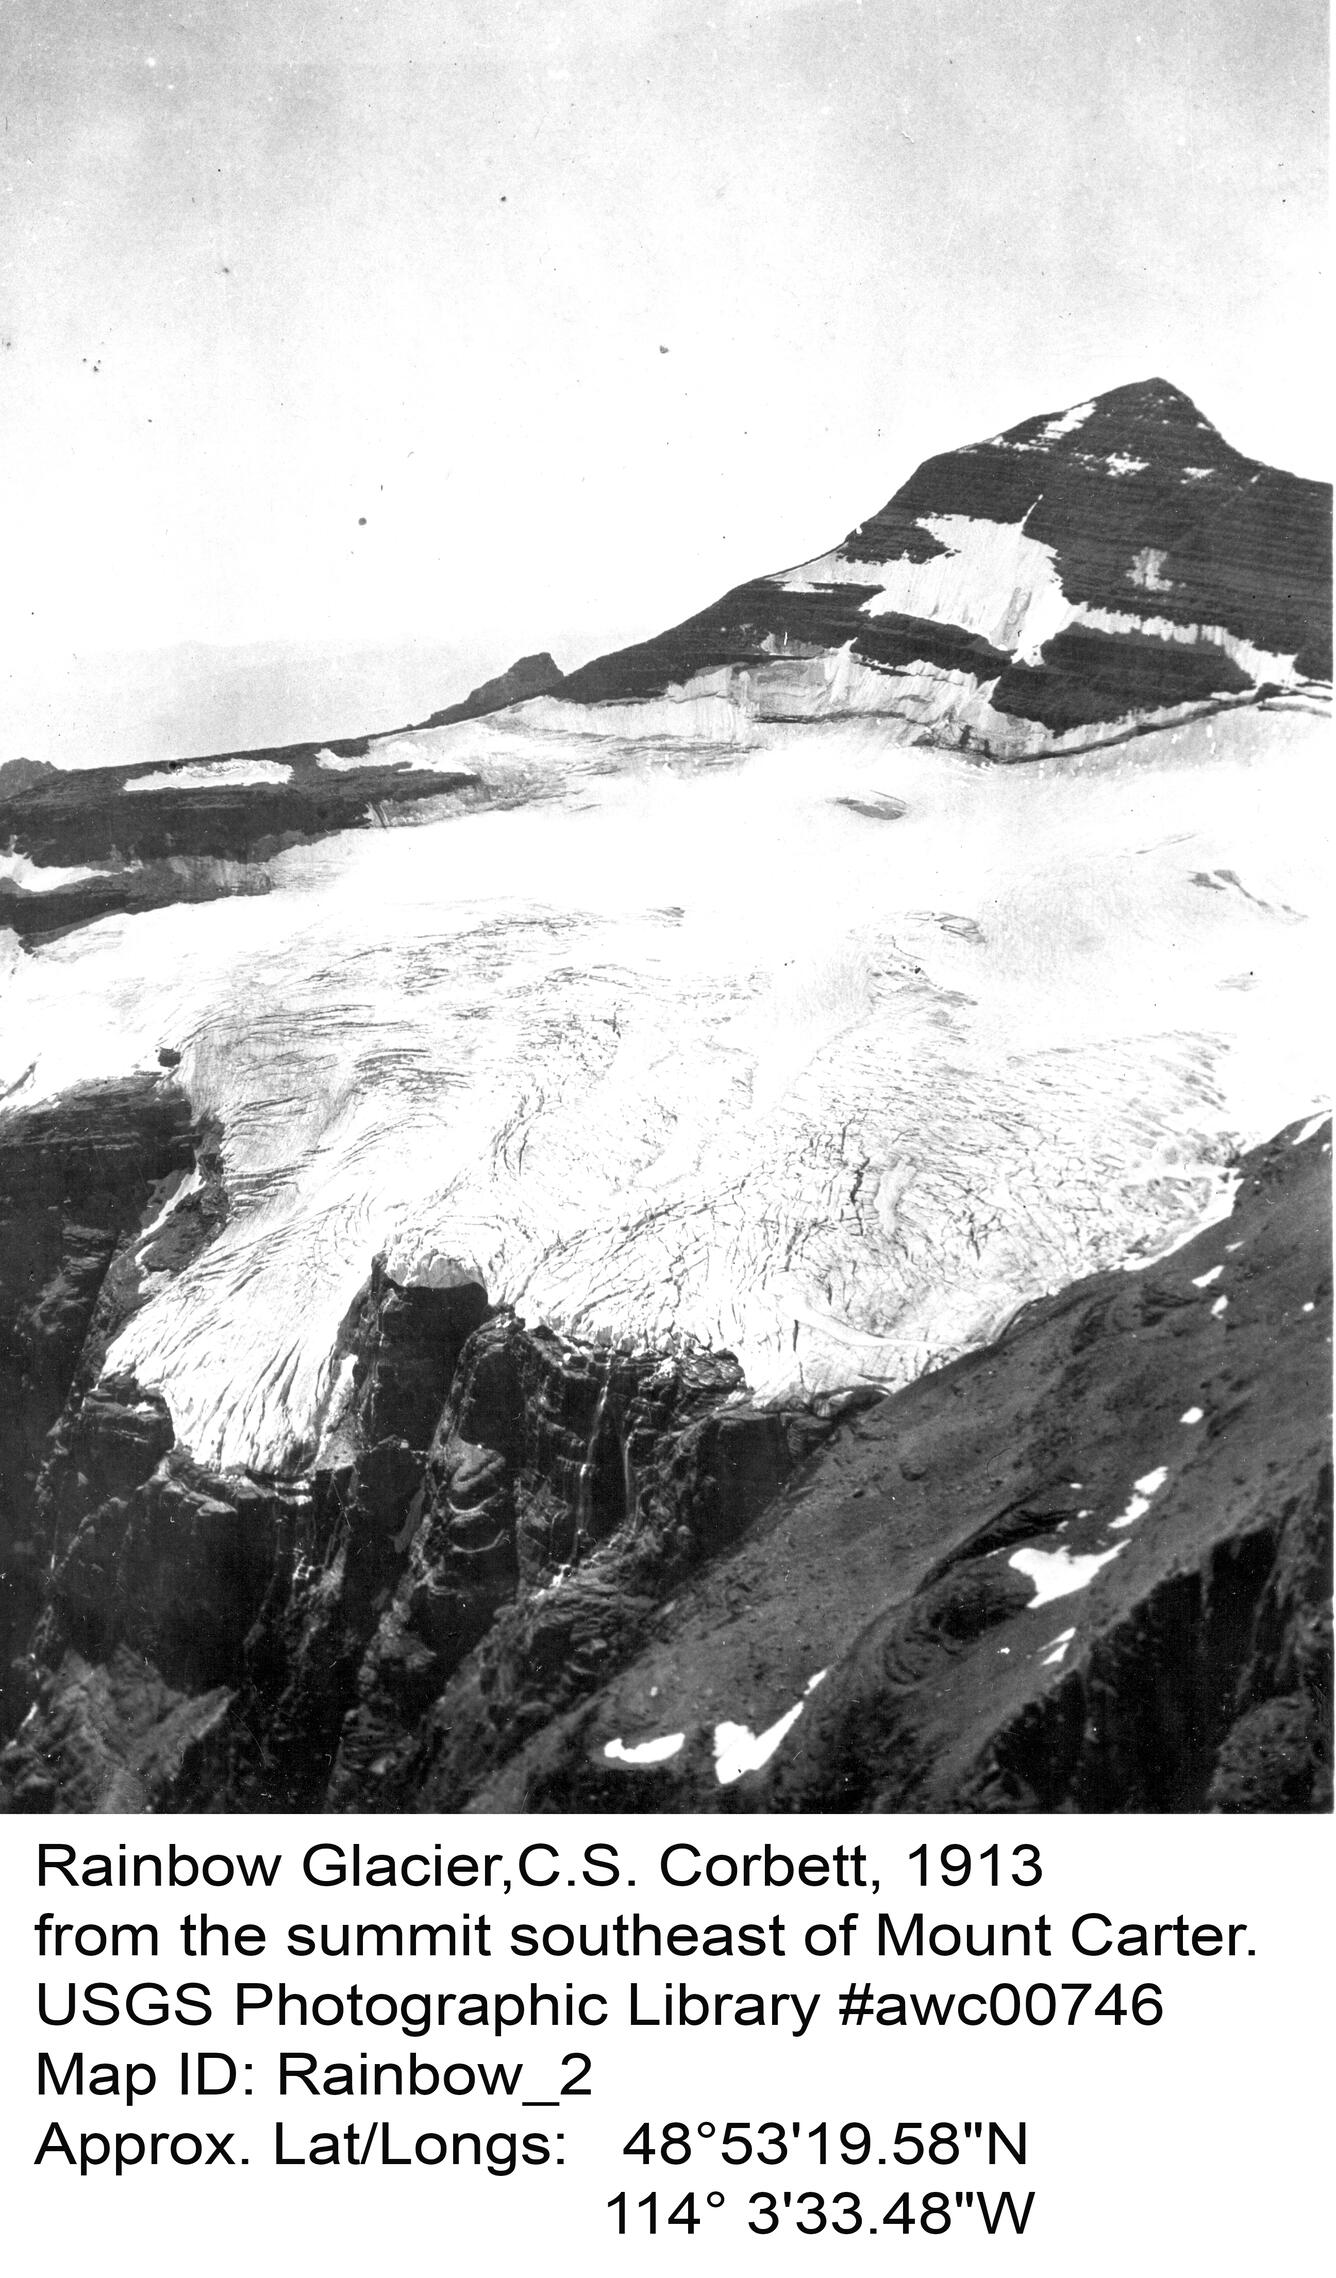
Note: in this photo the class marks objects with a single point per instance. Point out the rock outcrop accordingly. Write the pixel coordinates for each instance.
(528, 676)
(78, 1180)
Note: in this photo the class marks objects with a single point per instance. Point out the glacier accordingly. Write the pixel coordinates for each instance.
(821, 1049)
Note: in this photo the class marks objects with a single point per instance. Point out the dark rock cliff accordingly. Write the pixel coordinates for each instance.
(519, 1558)
(78, 1179)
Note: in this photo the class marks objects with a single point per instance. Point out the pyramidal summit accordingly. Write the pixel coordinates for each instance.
(741, 1227)
(1110, 564)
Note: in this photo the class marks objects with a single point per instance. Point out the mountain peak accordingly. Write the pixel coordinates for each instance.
(528, 676)
(1151, 416)
(1080, 572)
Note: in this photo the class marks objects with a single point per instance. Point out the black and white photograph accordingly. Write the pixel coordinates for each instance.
(664, 908)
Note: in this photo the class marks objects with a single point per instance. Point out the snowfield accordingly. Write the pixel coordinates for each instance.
(825, 1050)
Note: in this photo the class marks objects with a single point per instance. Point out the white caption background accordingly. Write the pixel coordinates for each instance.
(1197, 2141)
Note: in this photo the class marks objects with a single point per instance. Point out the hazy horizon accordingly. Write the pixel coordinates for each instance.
(195, 699)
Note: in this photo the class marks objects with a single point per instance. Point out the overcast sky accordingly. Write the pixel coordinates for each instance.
(514, 326)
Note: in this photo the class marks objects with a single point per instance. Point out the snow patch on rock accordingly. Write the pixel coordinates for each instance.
(202, 775)
(993, 580)
(1057, 1573)
(737, 1749)
(1144, 1489)
(41, 877)
(645, 1751)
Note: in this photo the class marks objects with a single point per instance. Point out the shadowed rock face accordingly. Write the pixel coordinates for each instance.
(1087, 1567)
(77, 1180)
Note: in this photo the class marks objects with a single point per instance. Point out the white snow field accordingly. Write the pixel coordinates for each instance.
(682, 1044)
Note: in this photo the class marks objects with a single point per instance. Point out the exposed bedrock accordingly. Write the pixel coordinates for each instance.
(567, 1490)
(528, 676)
(78, 1180)
(44, 914)
(1084, 1568)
